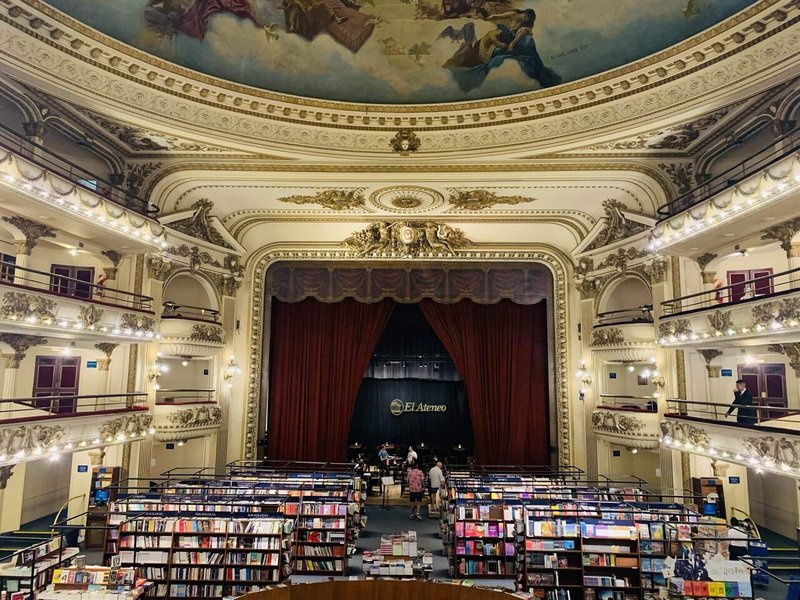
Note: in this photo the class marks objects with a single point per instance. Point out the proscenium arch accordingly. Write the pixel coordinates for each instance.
(257, 377)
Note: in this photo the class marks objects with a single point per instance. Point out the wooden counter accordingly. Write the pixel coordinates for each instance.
(377, 589)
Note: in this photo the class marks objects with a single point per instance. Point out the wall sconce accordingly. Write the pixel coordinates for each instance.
(586, 380)
(656, 379)
(156, 371)
(230, 372)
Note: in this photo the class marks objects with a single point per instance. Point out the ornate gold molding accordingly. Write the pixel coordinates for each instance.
(407, 239)
(262, 260)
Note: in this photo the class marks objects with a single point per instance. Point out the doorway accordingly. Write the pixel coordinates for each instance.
(767, 383)
(56, 376)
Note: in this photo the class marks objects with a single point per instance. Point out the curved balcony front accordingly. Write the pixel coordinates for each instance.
(630, 421)
(190, 331)
(182, 414)
(624, 335)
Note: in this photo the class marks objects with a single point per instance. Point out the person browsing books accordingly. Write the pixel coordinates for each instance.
(737, 547)
(416, 484)
(436, 479)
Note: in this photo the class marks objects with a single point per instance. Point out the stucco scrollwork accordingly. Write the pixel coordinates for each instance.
(206, 333)
(135, 322)
(407, 239)
(480, 199)
(25, 440)
(158, 267)
(18, 306)
(615, 422)
(781, 450)
(617, 226)
(607, 336)
(685, 433)
(90, 316)
(721, 320)
(333, 199)
(196, 416)
(677, 328)
(127, 425)
(199, 225)
(619, 260)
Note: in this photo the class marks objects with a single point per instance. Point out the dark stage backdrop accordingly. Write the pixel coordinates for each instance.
(373, 422)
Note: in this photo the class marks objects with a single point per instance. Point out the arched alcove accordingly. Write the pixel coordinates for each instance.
(186, 289)
(628, 292)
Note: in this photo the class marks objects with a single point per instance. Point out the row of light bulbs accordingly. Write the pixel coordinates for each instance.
(690, 228)
(56, 450)
(78, 326)
(115, 223)
(759, 463)
(775, 325)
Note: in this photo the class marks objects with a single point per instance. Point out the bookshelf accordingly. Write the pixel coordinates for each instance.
(549, 553)
(321, 536)
(483, 538)
(611, 560)
(207, 557)
(30, 570)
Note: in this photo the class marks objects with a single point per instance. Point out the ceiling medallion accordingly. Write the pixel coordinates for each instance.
(406, 199)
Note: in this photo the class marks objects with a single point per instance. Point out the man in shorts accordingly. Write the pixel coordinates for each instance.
(416, 487)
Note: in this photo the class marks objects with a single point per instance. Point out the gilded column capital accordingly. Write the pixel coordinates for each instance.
(783, 233)
(705, 259)
(708, 277)
(31, 230)
(20, 344)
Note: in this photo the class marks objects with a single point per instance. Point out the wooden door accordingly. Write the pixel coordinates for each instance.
(72, 281)
(56, 376)
(767, 383)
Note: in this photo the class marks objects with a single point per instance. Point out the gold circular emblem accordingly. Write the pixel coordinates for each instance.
(396, 407)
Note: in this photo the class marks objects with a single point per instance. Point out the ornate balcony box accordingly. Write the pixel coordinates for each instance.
(38, 302)
(630, 342)
(772, 317)
(30, 433)
(772, 444)
(628, 427)
(190, 337)
(177, 418)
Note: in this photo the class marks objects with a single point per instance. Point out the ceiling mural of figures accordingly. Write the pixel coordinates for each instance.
(401, 51)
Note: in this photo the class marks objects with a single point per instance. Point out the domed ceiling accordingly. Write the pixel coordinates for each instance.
(401, 51)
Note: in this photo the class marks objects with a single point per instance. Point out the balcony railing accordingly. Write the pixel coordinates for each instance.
(759, 288)
(730, 177)
(48, 407)
(49, 160)
(25, 278)
(628, 403)
(173, 310)
(640, 314)
(773, 417)
(185, 396)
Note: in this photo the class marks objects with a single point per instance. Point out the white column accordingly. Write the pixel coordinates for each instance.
(23, 259)
(103, 383)
(793, 254)
(11, 366)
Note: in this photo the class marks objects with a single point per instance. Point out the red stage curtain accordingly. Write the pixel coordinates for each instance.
(500, 351)
(319, 354)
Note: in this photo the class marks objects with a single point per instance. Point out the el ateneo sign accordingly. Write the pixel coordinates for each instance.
(398, 407)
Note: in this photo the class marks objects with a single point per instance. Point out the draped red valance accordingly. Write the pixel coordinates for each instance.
(483, 284)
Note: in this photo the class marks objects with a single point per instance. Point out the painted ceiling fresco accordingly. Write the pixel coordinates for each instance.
(401, 51)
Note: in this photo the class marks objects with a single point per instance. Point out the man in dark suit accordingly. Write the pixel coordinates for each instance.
(743, 403)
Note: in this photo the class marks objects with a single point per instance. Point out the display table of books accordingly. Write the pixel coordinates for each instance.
(95, 583)
(398, 556)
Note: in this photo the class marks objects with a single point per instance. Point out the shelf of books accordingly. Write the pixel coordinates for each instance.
(549, 553)
(207, 557)
(321, 536)
(483, 538)
(30, 570)
(96, 583)
(610, 559)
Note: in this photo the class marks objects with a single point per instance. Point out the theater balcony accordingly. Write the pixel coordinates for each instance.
(183, 414)
(36, 183)
(738, 203)
(625, 335)
(31, 428)
(190, 331)
(630, 421)
(764, 310)
(770, 442)
(56, 305)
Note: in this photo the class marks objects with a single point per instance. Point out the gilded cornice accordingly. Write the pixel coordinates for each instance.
(418, 169)
(699, 66)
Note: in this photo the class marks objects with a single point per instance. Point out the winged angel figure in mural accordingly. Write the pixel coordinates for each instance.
(512, 39)
(341, 19)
